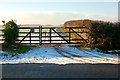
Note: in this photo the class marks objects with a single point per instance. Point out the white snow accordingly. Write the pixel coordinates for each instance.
(114, 51)
(3, 52)
(50, 55)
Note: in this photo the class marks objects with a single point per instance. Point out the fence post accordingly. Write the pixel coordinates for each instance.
(50, 35)
(69, 35)
(40, 34)
(30, 37)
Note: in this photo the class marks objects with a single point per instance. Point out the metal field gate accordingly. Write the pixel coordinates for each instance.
(52, 35)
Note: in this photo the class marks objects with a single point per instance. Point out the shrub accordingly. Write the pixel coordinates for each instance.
(106, 35)
(11, 32)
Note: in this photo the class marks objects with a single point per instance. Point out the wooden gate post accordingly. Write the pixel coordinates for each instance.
(69, 35)
(40, 34)
(50, 35)
(30, 37)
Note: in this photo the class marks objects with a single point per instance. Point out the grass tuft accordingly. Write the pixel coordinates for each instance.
(15, 49)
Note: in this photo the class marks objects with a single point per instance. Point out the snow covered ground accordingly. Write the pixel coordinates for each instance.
(61, 55)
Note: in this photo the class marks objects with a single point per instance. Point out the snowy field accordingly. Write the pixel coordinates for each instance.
(61, 55)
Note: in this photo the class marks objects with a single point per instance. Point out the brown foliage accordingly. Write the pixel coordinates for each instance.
(104, 35)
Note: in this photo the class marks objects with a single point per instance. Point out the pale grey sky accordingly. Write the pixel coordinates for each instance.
(57, 11)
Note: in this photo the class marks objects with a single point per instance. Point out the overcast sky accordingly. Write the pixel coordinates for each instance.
(57, 11)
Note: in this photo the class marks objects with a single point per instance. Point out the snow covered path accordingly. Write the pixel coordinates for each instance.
(61, 55)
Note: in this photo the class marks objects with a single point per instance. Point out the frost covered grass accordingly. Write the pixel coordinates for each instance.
(14, 49)
(60, 55)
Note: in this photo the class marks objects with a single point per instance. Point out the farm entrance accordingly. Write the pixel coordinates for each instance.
(53, 35)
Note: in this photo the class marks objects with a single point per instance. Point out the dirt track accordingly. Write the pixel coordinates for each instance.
(59, 71)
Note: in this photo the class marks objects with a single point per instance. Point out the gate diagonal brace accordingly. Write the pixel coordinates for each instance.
(25, 37)
(78, 35)
(60, 35)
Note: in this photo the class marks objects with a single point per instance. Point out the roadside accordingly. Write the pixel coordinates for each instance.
(59, 71)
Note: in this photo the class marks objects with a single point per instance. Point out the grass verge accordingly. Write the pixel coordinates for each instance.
(14, 49)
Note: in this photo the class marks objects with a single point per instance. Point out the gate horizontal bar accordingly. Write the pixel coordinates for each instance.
(48, 27)
(54, 36)
(65, 43)
(78, 39)
(61, 40)
(53, 40)
(1, 34)
(2, 39)
(52, 32)
(28, 40)
(28, 36)
(2, 30)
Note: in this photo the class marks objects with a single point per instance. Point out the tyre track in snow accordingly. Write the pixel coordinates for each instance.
(105, 55)
(100, 56)
(81, 54)
(61, 53)
(97, 54)
(98, 59)
(88, 59)
(78, 58)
